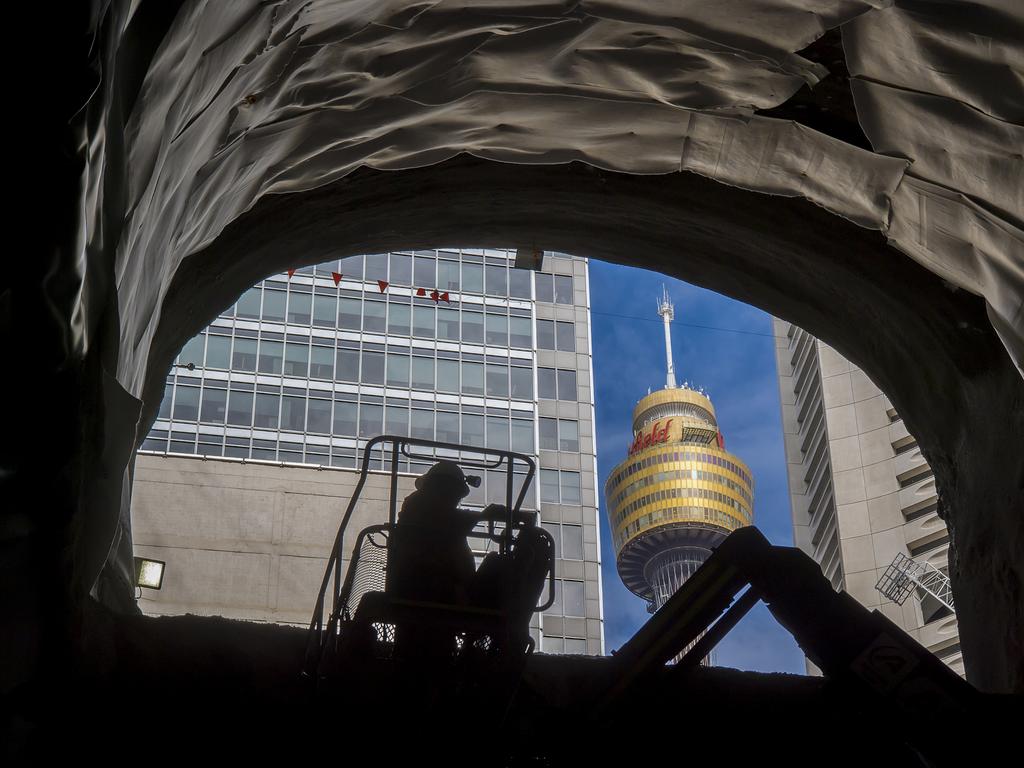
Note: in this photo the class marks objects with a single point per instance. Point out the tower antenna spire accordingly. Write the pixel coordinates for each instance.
(667, 312)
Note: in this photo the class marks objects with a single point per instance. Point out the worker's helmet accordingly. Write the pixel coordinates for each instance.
(447, 473)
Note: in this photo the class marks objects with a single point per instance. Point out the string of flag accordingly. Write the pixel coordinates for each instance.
(382, 285)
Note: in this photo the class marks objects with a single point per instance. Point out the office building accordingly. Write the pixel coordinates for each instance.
(862, 495)
(241, 484)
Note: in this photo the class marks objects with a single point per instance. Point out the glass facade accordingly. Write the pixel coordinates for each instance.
(453, 345)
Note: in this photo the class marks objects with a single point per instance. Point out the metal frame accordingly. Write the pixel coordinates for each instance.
(904, 573)
(321, 631)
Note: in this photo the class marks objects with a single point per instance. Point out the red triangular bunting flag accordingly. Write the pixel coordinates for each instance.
(421, 291)
(337, 277)
(444, 296)
(435, 295)
(383, 285)
(291, 272)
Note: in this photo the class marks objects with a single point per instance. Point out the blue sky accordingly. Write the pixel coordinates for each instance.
(738, 372)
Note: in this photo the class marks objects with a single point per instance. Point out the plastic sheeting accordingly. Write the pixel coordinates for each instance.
(249, 99)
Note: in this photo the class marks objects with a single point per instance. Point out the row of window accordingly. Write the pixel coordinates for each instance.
(465, 274)
(557, 335)
(344, 418)
(568, 540)
(680, 492)
(661, 457)
(395, 316)
(559, 435)
(680, 476)
(688, 514)
(559, 486)
(393, 369)
(563, 645)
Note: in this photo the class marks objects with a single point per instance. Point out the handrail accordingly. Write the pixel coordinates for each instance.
(401, 444)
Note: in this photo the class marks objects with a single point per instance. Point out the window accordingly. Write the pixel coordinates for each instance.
(350, 312)
(547, 387)
(398, 370)
(549, 485)
(426, 270)
(473, 327)
(563, 289)
(520, 333)
(319, 417)
(348, 365)
(273, 305)
(473, 429)
(497, 330)
(186, 403)
(271, 356)
(396, 420)
(240, 408)
(575, 646)
(448, 324)
(572, 542)
(325, 311)
(218, 352)
(371, 420)
(300, 306)
(373, 316)
(497, 380)
(399, 318)
(519, 283)
(296, 359)
(248, 306)
(472, 378)
(192, 352)
(214, 405)
(344, 418)
(422, 424)
(566, 384)
(555, 289)
(376, 267)
(447, 275)
(447, 427)
(497, 433)
(573, 602)
(472, 278)
(266, 410)
(423, 373)
(522, 436)
(321, 363)
(401, 269)
(521, 383)
(569, 483)
(568, 435)
(243, 358)
(447, 375)
(165, 404)
(565, 337)
(372, 367)
(545, 334)
(423, 322)
(497, 280)
(293, 413)
(548, 434)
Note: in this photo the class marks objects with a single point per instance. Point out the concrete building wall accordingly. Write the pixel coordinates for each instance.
(860, 490)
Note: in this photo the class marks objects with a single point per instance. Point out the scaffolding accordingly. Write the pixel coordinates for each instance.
(905, 574)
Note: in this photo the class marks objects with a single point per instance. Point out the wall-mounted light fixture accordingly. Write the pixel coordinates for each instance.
(149, 573)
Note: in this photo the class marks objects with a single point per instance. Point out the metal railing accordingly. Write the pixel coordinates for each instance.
(904, 574)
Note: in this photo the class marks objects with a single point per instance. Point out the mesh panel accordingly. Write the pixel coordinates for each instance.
(370, 569)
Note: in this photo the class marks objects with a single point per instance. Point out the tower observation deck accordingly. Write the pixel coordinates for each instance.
(678, 493)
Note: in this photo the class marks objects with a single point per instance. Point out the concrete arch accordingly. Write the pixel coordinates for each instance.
(215, 144)
(928, 345)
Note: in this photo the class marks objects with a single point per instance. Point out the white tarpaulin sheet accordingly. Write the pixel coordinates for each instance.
(249, 99)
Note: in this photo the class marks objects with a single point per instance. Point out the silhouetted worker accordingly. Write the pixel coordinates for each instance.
(430, 560)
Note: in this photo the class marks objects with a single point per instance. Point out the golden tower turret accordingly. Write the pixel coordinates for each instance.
(678, 493)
